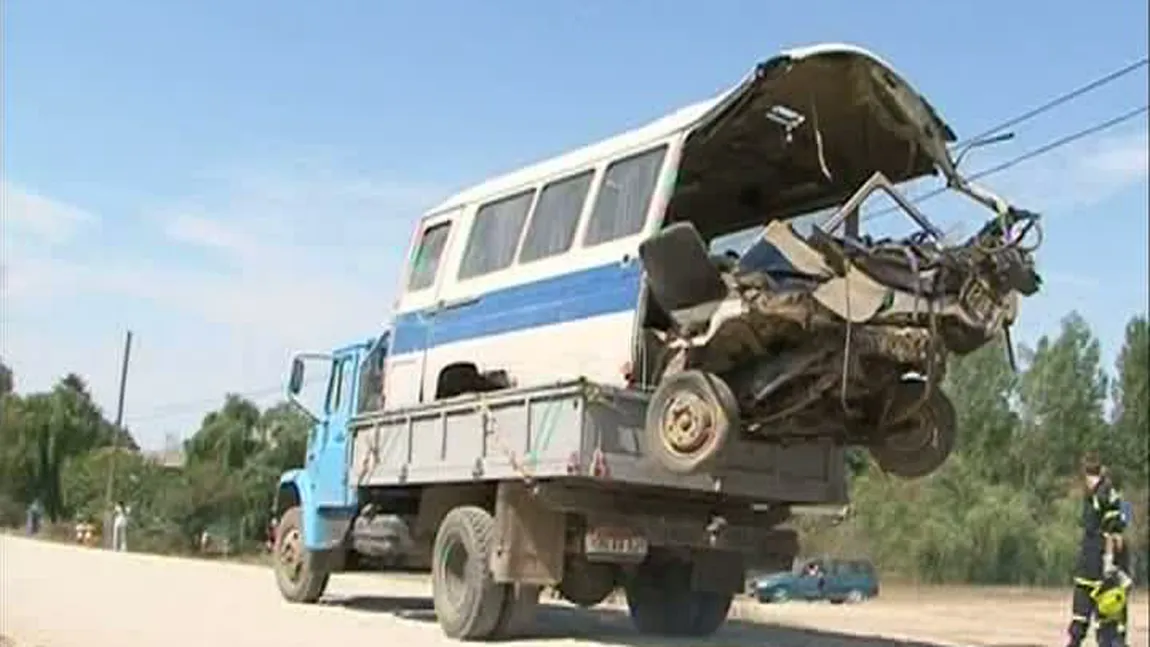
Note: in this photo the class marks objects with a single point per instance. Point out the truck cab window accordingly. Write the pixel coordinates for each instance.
(371, 380)
(335, 387)
(348, 375)
(425, 261)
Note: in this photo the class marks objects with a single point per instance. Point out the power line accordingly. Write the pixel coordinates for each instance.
(1059, 100)
(1065, 97)
(1028, 155)
(191, 406)
(1062, 141)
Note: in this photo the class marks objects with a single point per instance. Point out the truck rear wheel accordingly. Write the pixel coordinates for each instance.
(468, 601)
(661, 602)
(301, 574)
(690, 419)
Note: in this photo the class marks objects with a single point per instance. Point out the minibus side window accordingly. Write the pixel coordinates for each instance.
(425, 262)
(624, 197)
(552, 227)
(495, 235)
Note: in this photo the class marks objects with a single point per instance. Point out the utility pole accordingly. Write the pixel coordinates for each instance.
(116, 439)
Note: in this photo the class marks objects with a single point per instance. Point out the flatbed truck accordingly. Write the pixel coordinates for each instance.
(503, 493)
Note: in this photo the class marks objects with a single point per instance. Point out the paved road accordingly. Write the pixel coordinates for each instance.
(55, 595)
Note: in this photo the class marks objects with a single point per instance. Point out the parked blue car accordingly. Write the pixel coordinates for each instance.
(834, 580)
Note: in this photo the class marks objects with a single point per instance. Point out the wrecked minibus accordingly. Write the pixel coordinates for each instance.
(595, 264)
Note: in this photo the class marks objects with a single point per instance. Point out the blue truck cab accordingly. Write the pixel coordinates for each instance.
(350, 381)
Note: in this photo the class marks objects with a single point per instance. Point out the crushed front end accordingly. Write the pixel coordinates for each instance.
(828, 335)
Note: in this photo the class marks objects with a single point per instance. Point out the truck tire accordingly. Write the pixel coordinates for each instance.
(661, 602)
(468, 601)
(710, 612)
(690, 419)
(517, 617)
(647, 601)
(301, 574)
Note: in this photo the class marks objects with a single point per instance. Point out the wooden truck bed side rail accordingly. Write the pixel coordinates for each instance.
(571, 430)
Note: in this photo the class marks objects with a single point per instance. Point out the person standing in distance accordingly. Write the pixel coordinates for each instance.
(120, 527)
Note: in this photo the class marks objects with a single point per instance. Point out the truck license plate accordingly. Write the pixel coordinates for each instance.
(614, 545)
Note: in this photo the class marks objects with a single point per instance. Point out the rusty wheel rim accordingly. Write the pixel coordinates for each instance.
(688, 423)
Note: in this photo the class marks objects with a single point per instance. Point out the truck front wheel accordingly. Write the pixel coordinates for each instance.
(468, 601)
(301, 574)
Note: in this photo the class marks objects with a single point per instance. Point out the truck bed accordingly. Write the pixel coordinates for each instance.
(572, 430)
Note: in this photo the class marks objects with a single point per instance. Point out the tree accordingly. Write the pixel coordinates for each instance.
(228, 436)
(234, 462)
(983, 386)
(7, 381)
(80, 414)
(139, 481)
(1063, 393)
(41, 432)
(18, 449)
(1128, 451)
(284, 433)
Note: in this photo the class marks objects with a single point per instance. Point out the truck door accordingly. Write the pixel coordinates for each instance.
(329, 447)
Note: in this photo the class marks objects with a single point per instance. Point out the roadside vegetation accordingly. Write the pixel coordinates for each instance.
(1005, 509)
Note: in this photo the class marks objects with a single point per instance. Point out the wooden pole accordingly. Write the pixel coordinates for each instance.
(116, 439)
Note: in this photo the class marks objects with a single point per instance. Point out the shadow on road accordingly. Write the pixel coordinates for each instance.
(612, 627)
(408, 608)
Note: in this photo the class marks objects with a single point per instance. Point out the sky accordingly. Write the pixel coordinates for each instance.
(236, 180)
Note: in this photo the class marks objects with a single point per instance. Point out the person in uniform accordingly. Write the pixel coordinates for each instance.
(1100, 577)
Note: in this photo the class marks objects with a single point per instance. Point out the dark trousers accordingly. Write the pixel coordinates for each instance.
(1110, 632)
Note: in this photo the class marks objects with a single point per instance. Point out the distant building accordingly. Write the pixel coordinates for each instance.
(171, 456)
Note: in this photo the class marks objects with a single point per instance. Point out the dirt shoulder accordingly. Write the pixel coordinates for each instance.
(54, 595)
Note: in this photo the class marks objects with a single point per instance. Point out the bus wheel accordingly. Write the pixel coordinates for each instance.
(689, 421)
(919, 445)
(468, 601)
(301, 574)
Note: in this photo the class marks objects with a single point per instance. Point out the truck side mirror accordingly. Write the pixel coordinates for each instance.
(295, 382)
